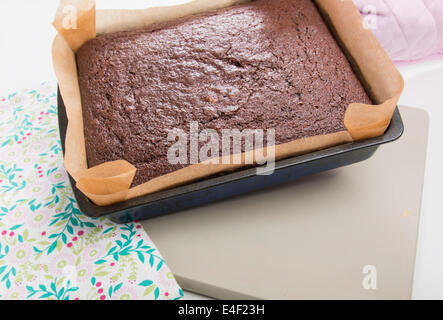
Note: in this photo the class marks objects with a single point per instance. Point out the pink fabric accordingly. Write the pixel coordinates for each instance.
(408, 29)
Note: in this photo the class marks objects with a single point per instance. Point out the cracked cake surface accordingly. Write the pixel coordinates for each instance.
(260, 65)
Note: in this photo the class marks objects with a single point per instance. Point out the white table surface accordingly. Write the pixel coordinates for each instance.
(25, 62)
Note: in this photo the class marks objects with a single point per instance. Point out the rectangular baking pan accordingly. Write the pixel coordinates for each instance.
(230, 184)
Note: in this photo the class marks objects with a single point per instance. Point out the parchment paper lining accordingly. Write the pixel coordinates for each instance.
(110, 183)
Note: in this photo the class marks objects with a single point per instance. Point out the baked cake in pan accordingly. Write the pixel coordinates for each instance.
(264, 64)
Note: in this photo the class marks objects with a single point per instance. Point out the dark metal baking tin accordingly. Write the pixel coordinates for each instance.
(231, 184)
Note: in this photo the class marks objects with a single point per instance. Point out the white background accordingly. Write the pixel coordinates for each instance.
(25, 61)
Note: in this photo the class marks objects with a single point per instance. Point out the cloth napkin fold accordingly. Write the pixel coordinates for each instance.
(48, 248)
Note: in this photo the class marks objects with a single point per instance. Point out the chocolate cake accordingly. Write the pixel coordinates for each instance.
(260, 65)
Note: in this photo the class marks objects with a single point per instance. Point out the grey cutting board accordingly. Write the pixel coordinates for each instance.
(311, 238)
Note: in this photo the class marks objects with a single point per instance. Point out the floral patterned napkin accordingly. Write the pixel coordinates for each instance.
(48, 248)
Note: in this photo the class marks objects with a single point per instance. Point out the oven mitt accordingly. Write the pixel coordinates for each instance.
(408, 31)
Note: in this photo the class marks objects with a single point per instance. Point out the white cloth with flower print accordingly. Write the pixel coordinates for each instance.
(48, 248)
